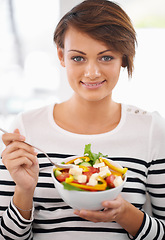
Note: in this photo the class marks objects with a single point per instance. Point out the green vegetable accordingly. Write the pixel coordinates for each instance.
(85, 164)
(97, 161)
(70, 187)
(57, 173)
(93, 156)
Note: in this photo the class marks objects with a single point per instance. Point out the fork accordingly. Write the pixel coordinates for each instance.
(60, 165)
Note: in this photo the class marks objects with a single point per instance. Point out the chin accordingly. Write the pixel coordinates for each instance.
(96, 99)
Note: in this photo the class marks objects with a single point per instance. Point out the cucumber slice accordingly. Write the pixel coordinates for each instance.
(85, 164)
(57, 173)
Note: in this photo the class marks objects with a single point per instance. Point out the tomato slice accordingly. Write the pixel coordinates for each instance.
(91, 170)
(62, 176)
(110, 179)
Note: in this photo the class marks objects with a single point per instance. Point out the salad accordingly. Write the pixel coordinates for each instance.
(91, 172)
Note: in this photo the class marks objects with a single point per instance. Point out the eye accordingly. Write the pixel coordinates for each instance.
(78, 59)
(106, 58)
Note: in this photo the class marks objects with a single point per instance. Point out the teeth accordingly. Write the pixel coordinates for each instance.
(92, 84)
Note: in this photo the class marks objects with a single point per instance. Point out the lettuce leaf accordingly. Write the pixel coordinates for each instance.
(69, 187)
(93, 156)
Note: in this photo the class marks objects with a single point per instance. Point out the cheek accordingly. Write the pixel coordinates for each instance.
(70, 73)
(73, 73)
(72, 77)
(115, 71)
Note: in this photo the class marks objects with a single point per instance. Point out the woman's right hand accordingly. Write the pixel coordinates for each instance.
(21, 161)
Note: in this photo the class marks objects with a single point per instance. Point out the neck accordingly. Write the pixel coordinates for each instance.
(84, 117)
(94, 110)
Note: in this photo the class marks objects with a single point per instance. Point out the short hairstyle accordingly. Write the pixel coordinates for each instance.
(104, 21)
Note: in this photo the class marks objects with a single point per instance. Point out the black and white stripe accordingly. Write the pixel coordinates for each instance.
(53, 217)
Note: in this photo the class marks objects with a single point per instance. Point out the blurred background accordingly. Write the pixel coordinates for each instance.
(30, 74)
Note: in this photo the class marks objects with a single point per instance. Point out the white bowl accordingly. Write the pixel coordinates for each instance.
(87, 200)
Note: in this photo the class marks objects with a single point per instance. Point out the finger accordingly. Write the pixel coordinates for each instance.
(18, 154)
(16, 150)
(7, 138)
(16, 163)
(94, 216)
(113, 203)
(13, 146)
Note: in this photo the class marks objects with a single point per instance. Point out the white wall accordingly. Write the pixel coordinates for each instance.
(146, 89)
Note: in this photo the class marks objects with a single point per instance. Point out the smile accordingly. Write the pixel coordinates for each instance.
(92, 84)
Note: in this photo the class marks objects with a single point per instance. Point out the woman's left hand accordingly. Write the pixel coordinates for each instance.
(118, 210)
(113, 210)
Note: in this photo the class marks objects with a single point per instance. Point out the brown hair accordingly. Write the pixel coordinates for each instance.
(104, 21)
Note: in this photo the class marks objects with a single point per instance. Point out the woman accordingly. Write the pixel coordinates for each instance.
(94, 41)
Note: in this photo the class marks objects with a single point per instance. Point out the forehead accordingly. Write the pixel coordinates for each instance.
(79, 40)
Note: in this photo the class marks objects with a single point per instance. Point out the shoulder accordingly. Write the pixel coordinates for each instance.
(31, 117)
(139, 114)
(149, 125)
(158, 132)
(137, 118)
(158, 128)
(158, 121)
(141, 119)
(37, 113)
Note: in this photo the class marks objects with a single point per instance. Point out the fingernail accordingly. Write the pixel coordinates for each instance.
(105, 204)
(35, 151)
(76, 212)
(83, 212)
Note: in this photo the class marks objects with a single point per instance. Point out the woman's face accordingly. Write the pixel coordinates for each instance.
(92, 68)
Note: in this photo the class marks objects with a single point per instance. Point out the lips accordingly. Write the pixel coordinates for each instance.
(93, 84)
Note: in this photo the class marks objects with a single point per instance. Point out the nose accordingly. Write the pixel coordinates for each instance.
(92, 71)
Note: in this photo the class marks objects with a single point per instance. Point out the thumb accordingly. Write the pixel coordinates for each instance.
(113, 203)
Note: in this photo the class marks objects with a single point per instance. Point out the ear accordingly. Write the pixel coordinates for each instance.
(60, 53)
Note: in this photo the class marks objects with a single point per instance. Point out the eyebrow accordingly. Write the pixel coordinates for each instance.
(74, 50)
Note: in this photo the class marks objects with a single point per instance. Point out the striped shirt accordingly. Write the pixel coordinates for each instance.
(138, 143)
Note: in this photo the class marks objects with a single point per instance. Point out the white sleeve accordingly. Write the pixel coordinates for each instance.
(154, 227)
(13, 226)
